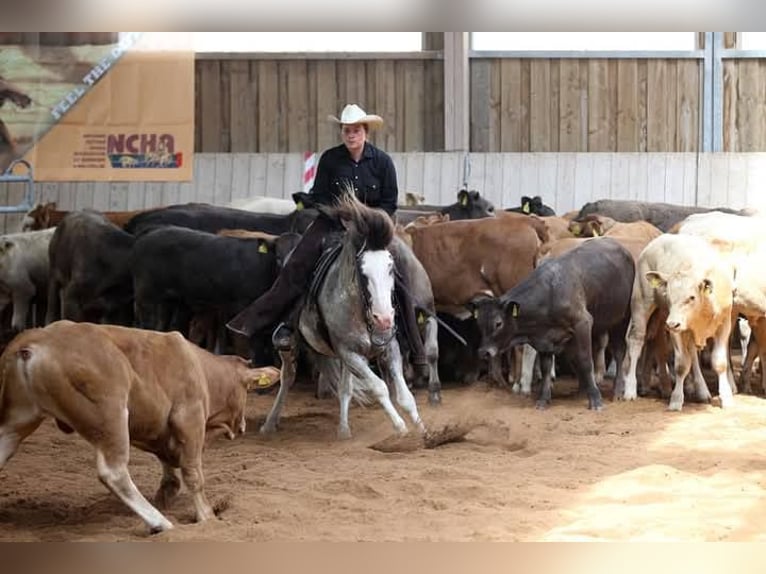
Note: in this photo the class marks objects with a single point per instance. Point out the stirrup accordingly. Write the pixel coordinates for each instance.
(283, 341)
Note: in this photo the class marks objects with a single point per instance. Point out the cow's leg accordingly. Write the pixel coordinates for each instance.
(639, 314)
(17, 426)
(286, 381)
(109, 435)
(22, 295)
(391, 369)
(431, 342)
(345, 392)
(170, 485)
(53, 313)
(701, 391)
(496, 370)
(546, 363)
(599, 357)
(583, 359)
(683, 363)
(618, 348)
(745, 377)
(719, 360)
(370, 381)
(528, 358)
(190, 430)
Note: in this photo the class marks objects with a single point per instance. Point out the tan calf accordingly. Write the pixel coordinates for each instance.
(118, 386)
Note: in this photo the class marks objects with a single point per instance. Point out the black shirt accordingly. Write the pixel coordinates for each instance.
(374, 177)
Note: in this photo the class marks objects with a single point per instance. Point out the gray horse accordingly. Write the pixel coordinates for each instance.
(352, 320)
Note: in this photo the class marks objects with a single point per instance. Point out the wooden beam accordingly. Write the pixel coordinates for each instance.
(456, 94)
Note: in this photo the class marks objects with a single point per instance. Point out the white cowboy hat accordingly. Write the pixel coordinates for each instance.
(353, 114)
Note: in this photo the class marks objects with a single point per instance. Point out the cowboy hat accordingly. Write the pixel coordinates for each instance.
(353, 114)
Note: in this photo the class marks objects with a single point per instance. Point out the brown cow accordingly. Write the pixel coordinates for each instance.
(595, 225)
(118, 386)
(45, 215)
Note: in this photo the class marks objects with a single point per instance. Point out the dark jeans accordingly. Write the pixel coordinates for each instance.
(293, 282)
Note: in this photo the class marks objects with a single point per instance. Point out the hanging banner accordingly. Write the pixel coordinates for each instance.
(119, 111)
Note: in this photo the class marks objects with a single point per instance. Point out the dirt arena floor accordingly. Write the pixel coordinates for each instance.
(631, 472)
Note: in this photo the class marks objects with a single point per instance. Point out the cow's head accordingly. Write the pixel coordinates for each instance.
(591, 226)
(470, 205)
(303, 200)
(534, 205)
(39, 217)
(693, 299)
(496, 318)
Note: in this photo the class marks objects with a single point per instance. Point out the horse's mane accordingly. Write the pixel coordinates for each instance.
(370, 227)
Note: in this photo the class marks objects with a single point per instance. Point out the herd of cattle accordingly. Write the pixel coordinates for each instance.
(134, 348)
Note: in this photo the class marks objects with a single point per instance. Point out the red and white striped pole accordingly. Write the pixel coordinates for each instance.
(309, 170)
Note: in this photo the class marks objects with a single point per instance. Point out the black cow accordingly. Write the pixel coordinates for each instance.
(89, 276)
(179, 273)
(533, 205)
(565, 305)
(213, 218)
(469, 205)
(661, 215)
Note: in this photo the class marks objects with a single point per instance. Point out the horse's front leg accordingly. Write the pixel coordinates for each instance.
(357, 365)
(390, 364)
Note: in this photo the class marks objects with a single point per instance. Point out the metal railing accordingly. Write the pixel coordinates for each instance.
(8, 176)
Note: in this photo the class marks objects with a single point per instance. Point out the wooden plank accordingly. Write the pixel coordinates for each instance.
(690, 179)
(571, 122)
(495, 101)
(638, 177)
(399, 105)
(477, 175)
(750, 111)
(730, 88)
(225, 107)
(356, 84)
(327, 104)
(601, 183)
(83, 194)
(432, 178)
(539, 112)
(275, 175)
(153, 194)
(414, 171)
(433, 106)
(210, 98)
(493, 179)
(240, 176)
(197, 107)
(756, 175)
(385, 103)
(547, 176)
(243, 108)
(628, 130)
(643, 103)
(221, 188)
(736, 191)
(565, 183)
(136, 195)
(480, 104)
(268, 106)
(451, 177)
(687, 108)
(512, 107)
(297, 106)
(101, 196)
(258, 167)
(656, 177)
(414, 93)
(293, 180)
(528, 178)
(600, 126)
(204, 178)
(511, 169)
(719, 180)
(118, 197)
(674, 178)
(620, 179)
(553, 107)
(661, 105)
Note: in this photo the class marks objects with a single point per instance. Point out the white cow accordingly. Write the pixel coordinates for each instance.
(689, 278)
(24, 270)
(264, 205)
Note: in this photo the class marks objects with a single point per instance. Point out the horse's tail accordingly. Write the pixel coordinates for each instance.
(373, 227)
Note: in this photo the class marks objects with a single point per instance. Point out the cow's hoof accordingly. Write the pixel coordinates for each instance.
(344, 433)
(541, 405)
(434, 398)
(675, 406)
(268, 429)
(161, 527)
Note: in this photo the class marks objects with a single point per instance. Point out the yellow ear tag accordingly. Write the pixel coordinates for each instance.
(421, 318)
(515, 310)
(263, 381)
(525, 207)
(595, 232)
(464, 200)
(263, 248)
(298, 206)
(708, 289)
(475, 313)
(576, 229)
(654, 282)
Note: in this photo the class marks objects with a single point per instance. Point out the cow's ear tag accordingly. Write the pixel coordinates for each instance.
(595, 232)
(298, 206)
(576, 229)
(654, 282)
(475, 313)
(464, 200)
(525, 207)
(514, 309)
(263, 248)
(421, 318)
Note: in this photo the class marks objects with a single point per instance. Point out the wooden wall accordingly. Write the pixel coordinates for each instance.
(281, 105)
(58, 38)
(564, 180)
(744, 115)
(578, 105)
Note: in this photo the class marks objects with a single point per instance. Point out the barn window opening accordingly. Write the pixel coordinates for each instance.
(583, 41)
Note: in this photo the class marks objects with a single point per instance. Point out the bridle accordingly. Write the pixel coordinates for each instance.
(367, 304)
